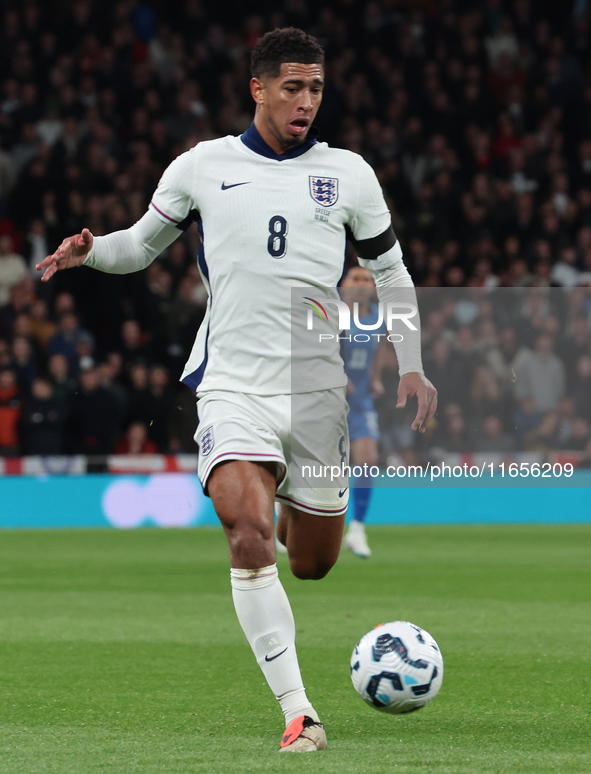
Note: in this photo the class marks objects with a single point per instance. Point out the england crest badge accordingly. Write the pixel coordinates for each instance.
(324, 190)
(206, 442)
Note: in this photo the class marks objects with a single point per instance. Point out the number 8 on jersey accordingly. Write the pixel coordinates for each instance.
(277, 242)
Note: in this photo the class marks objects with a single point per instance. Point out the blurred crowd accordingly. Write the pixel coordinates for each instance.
(475, 115)
(513, 371)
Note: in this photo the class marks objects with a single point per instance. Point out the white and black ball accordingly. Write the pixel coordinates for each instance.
(397, 667)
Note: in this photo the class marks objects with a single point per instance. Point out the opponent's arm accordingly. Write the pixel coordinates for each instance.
(121, 252)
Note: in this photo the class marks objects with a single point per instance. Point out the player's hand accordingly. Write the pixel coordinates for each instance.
(72, 251)
(416, 384)
(350, 388)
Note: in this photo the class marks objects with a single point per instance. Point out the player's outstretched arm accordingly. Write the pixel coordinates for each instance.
(121, 252)
(72, 252)
(134, 248)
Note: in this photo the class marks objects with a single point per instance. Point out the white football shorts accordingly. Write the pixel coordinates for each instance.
(305, 434)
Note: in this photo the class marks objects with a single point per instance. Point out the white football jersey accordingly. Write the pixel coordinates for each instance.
(268, 223)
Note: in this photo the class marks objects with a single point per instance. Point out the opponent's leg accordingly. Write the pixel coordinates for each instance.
(243, 495)
(364, 451)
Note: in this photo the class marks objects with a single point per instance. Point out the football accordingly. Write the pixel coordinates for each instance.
(397, 667)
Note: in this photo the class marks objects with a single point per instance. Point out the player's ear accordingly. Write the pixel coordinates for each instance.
(257, 88)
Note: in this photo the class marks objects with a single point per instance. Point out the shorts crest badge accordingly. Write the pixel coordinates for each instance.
(206, 441)
(324, 190)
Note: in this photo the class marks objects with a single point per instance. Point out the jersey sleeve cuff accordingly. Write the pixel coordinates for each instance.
(163, 216)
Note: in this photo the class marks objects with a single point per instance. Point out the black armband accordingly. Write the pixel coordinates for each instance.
(191, 218)
(370, 249)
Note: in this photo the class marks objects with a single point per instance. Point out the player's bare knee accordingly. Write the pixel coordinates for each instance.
(310, 570)
(248, 532)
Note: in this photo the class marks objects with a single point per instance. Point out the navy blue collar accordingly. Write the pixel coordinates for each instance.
(253, 140)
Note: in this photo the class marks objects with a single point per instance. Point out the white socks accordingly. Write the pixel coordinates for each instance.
(265, 615)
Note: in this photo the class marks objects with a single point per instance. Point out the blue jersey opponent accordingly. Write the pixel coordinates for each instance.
(360, 353)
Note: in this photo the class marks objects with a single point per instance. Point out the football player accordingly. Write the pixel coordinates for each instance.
(272, 206)
(361, 354)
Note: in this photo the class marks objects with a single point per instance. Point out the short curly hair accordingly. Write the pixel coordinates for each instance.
(287, 44)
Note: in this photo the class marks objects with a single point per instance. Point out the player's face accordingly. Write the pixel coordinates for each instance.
(358, 285)
(287, 105)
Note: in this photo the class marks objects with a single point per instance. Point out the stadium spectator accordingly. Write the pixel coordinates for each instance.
(152, 304)
(66, 340)
(5, 354)
(159, 407)
(492, 437)
(42, 329)
(108, 372)
(525, 418)
(84, 351)
(566, 415)
(177, 262)
(13, 268)
(505, 358)
(37, 243)
(23, 364)
(485, 397)
(7, 175)
(581, 391)
(19, 304)
(579, 435)
(576, 346)
(452, 433)
(93, 417)
(544, 437)
(441, 367)
(134, 344)
(186, 313)
(64, 302)
(183, 419)
(541, 376)
(10, 413)
(136, 441)
(43, 420)
(58, 370)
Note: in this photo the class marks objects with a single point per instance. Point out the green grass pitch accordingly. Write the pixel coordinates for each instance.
(120, 652)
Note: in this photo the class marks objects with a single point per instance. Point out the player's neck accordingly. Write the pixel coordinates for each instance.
(271, 139)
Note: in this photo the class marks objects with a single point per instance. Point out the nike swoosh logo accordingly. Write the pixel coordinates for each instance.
(233, 185)
(343, 492)
(274, 657)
